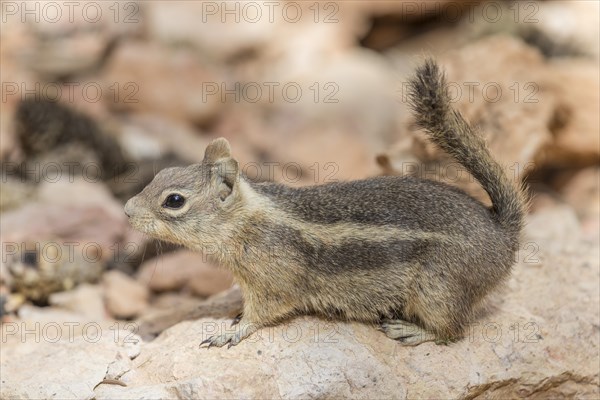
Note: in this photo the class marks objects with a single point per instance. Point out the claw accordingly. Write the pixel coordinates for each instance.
(236, 320)
(229, 345)
(206, 341)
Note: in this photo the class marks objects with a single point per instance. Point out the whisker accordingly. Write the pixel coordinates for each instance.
(144, 251)
(158, 255)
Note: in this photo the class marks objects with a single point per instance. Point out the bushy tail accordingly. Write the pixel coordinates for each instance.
(429, 98)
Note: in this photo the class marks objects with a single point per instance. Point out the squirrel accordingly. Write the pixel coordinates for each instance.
(410, 255)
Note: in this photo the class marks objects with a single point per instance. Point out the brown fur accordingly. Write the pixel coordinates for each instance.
(413, 255)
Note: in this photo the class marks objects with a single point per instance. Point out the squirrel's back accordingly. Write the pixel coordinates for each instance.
(405, 202)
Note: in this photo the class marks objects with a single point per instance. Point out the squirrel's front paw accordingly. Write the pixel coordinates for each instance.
(222, 340)
(230, 338)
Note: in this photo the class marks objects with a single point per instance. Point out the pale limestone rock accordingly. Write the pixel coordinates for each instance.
(537, 338)
(67, 369)
(209, 280)
(80, 212)
(529, 342)
(85, 300)
(143, 136)
(59, 39)
(124, 296)
(181, 269)
(141, 70)
(208, 27)
(583, 194)
(64, 237)
(576, 126)
(321, 98)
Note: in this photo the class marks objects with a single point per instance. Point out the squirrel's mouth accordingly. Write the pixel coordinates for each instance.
(150, 226)
(144, 225)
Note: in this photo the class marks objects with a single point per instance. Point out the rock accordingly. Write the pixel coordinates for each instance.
(575, 22)
(54, 323)
(408, 11)
(174, 300)
(82, 191)
(184, 269)
(41, 268)
(66, 236)
(209, 280)
(139, 69)
(142, 135)
(85, 300)
(353, 90)
(308, 156)
(339, 97)
(205, 26)
(80, 213)
(563, 229)
(576, 127)
(124, 296)
(11, 302)
(16, 79)
(514, 118)
(504, 354)
(9, 147)
(82, 227)
(15, 193)
(80, 365)
(170, 271)
(583, 194)
(171, 311)
(67, 38)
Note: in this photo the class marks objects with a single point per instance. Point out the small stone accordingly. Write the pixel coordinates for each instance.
(183, 268)
(583, 194)
(209, 280)
(124, 296)
(576, 125)
(85, 300)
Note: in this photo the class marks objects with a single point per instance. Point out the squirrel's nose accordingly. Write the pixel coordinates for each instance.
(128, 208)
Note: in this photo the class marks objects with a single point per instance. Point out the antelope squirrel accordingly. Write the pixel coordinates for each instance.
(414, 256)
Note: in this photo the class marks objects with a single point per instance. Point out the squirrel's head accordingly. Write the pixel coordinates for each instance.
(193, 206)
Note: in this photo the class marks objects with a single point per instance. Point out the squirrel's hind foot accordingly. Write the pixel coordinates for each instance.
(406, 333)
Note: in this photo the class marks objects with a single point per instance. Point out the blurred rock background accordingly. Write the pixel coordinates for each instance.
(306, 92)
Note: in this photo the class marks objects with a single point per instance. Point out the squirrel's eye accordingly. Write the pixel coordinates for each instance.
(174, 201)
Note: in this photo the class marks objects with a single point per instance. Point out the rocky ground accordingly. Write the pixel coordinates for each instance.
(92, 309)
(538, 339)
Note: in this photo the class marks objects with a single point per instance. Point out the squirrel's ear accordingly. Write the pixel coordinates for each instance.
(225, 173)
(224, 169)
(217, 149)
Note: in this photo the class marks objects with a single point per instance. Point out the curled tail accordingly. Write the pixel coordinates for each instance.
(429, 98)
